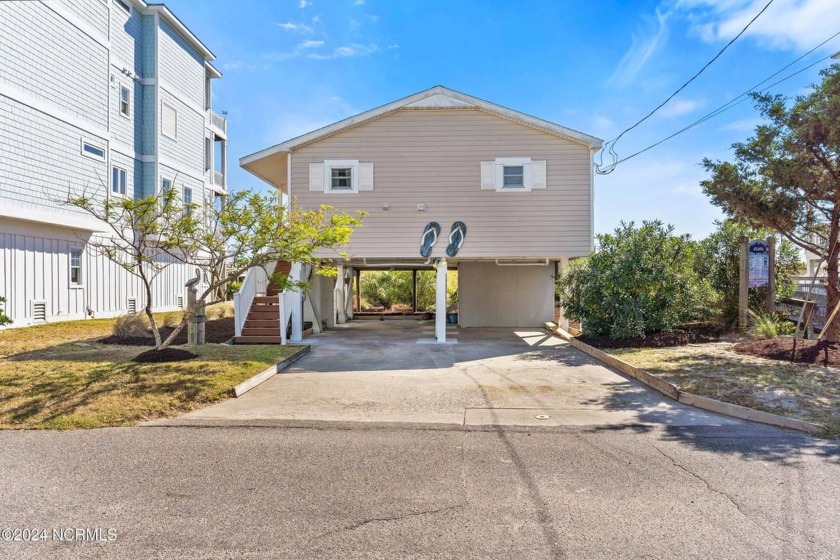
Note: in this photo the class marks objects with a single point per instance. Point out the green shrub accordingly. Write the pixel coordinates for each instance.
(388, 288)
(4, 319)
(769, 325)
(641, 280)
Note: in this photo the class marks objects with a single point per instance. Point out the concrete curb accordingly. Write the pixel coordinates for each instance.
(672, 391)
(355, 425)
(270, 371)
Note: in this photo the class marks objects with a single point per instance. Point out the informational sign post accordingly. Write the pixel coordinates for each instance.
(758, 270)
(759, 264)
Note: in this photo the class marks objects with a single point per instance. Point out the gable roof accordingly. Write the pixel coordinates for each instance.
(437, 97)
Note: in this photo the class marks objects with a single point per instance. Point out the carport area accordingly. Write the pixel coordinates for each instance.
(383, 372)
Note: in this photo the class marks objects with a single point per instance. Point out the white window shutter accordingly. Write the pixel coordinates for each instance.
(316, 177)
(366, 176)
(488, 175)
(538, 180)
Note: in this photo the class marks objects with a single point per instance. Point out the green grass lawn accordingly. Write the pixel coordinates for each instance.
(56, 376)
(805, 392)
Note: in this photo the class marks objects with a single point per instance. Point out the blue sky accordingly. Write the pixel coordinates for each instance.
(291, 66)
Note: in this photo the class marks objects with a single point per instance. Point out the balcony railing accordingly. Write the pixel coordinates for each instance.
(218, 121)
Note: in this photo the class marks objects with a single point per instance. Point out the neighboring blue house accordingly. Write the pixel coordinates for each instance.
(109, 97)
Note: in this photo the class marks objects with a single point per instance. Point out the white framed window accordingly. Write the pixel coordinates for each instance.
(188, 200)
(165, 185)
(92, 150)
(341, 179)
(125, 101)
(341, 176)
(75, 267)
(118, 180)
(513, 174)
(169, 121)
(124, 5)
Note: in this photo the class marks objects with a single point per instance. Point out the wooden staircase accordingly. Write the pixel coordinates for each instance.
(262, 326)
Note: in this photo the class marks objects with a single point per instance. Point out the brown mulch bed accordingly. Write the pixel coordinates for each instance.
(216, 331)
(821, 353)
(691, 333)
(166, 355)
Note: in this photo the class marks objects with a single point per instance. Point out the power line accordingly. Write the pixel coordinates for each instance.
(738, 99)
(612, 143)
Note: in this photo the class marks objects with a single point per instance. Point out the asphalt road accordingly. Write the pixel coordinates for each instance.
(688, 492)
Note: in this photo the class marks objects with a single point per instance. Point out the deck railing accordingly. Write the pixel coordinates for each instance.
(218, 121)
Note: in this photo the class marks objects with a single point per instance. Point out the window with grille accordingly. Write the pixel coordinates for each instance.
(76, 267)
(125, 101)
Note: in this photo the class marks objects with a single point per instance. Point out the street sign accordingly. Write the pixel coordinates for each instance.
(759, 263)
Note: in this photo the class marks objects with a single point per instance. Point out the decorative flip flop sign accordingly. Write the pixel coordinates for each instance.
(456, 238)
(431, 233)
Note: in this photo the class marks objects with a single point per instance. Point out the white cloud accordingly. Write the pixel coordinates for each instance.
(308, 117)
(787, 24)
(349, 51)
(603, 125)
(304, 4)
(291, 26)
(678, 107)
(742, 125)
(311, 44)
(644, 45)
(234, 65)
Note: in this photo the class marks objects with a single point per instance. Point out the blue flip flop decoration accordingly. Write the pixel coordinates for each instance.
(456, 238)
(430, 235)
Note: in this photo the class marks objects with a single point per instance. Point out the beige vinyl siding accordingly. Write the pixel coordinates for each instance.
(434, 157)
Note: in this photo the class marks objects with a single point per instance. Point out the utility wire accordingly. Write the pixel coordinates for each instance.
(738, 99)
(609, 168)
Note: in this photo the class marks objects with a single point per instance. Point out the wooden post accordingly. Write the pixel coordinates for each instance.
(414, 291)
(743, 285)
(771, 275)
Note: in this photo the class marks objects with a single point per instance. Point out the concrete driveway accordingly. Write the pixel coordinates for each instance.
(389, 372)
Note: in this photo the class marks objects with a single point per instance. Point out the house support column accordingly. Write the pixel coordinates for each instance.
(440, 302)
(296, 303)
(358, 291)
(348, 292)
(313, 298)
(340, 297)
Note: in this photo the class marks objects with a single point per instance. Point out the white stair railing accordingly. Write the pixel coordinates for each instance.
(254, 284)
